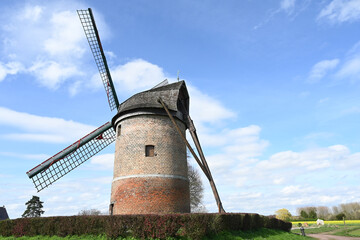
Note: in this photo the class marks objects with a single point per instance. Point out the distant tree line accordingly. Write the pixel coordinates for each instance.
(350, 211)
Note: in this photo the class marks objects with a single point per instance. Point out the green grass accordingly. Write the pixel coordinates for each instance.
(317, 230)
(261, 234)
(351, 231)
(355, 233)
(56, 238)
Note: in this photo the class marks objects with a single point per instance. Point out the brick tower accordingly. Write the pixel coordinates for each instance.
(150, 167)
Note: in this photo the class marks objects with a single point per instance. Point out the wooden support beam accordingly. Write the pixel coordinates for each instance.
(203, 164)
(184, 138)
(195, 138)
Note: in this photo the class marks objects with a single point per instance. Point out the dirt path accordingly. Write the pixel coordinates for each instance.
(331, 237)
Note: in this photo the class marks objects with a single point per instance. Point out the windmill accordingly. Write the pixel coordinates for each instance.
(150, 166)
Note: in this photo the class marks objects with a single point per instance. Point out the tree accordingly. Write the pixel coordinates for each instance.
(340, 216)
(196, 190)
(283, 214)
(89, 212)
(323, 212)
(33, 207)
(307, 212)
(335, 210)
(304, 214)
(312, 214)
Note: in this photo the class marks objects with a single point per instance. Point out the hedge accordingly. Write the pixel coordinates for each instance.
(193, 226)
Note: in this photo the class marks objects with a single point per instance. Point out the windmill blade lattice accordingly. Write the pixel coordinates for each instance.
(92, 35)
(71, 157)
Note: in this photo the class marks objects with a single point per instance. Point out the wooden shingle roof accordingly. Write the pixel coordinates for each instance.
(172, 94)
(3, 214)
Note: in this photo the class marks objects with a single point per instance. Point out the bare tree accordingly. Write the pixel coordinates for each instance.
(89, 212)
(323, 212)
(351, 210)
(196, 190)
(335, 210)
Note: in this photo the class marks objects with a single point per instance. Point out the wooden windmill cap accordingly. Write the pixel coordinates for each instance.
(175, 96)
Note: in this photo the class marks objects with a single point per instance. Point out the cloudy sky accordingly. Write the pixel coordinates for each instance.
(274, 89)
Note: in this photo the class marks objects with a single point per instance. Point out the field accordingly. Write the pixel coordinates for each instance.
(350, 229)
(261, 234)
(337, 222)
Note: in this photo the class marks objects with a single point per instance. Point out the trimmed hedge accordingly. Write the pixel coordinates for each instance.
(193, 226)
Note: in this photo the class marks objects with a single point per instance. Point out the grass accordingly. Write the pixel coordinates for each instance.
(355, 233)
(56, 238)
(351, 229)
(261, 234)
(317, 230)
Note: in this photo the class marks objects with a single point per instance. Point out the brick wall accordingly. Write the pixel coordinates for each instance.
(156, 184)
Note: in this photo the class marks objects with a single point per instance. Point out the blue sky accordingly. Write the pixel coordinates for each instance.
(274, 94)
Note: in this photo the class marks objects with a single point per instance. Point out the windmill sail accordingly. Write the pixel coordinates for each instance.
(92, 35)
(71, 157)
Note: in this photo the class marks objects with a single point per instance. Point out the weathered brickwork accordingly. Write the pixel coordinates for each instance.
(156, 184)
(150, 195)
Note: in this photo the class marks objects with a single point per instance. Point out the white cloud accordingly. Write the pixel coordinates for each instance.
(75, 88)
(318, 135)
(47, 42)
(206, 109)
(237, 149)
(325, 199)
(309, 160)
(279, 180)
(287, 5)
(323, 100)
(9, 68)
(320, 69)
(31, 13)
(105, 161)
(66, 36)
(350, 69)
(341, 11)
(26, 156)
(137, 75)
(39, 128)
(52, 74)
(290, 189)
(291, 7)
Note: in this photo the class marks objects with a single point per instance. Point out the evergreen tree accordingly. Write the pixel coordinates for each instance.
(312, 214)
(304, 214)
(33, 207)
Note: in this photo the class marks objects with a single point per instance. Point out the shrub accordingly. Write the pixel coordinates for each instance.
(340, 216)
(160, 226)
(256, 221)
(246, 225)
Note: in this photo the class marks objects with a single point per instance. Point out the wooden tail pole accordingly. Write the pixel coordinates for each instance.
(195, 138)
(203, 164)
(184, 138)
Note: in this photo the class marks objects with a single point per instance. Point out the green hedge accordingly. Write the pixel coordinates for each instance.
(194, 226)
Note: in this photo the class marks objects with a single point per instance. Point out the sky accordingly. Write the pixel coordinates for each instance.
(274, 94)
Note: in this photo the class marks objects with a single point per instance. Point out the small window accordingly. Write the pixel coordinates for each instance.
(119, 131)
(149, 151)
